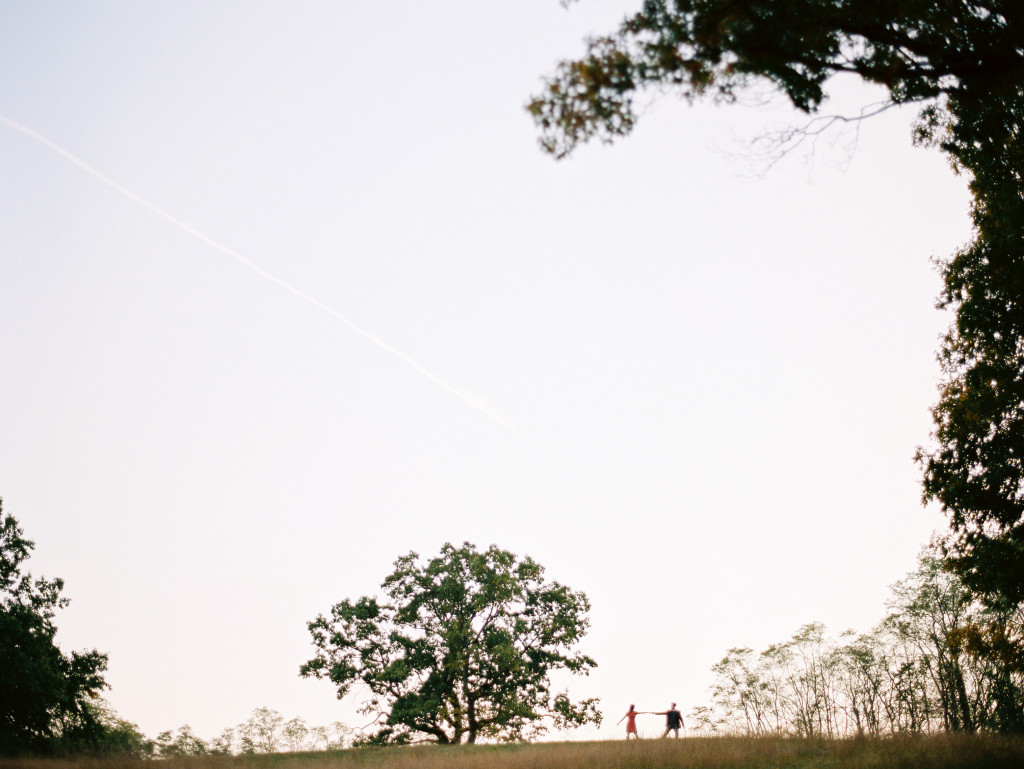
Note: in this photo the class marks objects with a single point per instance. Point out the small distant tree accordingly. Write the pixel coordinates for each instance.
(462, 647)
(223, 745)
(739, 692)
(183, 742)
(704, 719)
(932, 606)
(261, 732)
(341, 735)
(862, 665)
(115, 735)
(295, 733)
(319, 737)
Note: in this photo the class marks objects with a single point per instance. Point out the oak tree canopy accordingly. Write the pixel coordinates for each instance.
(461, 647)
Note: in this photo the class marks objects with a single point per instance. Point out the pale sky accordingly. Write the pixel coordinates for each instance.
(352, 310)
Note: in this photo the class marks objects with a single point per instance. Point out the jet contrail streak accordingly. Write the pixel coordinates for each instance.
(470, 401)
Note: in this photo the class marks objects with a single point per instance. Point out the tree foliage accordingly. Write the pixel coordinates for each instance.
(976, 470)
(45, 694)
(462, 647)
(117, 736)
(916, 671)
(962, 61)
(917, 49)
(261, 732)
(265, 731)
(183, 742)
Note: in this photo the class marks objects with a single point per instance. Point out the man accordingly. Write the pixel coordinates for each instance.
(673, 720)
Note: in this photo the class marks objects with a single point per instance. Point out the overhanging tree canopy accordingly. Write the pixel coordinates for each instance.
(462, 647)
(963, 62)
(917, 49)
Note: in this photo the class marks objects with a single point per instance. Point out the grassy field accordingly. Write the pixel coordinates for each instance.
(929, 752)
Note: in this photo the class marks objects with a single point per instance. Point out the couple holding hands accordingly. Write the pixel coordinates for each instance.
(673, 720)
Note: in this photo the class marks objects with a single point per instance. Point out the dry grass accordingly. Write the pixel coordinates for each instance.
(925, 752)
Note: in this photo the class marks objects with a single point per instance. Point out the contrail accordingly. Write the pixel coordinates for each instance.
(464, 397)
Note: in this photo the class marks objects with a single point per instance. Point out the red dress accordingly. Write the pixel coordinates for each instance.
(631, 722)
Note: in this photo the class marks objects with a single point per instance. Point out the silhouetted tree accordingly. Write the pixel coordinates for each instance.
(963, 62)
(463, 647)
(44, 693)
(916, 671)
(183, 742)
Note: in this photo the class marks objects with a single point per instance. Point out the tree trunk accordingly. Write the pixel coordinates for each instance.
(471, 718)
(966, 718)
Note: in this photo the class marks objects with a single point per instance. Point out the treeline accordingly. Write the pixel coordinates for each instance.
(928, 666)
(50, 700)
(265, 731)
(942, 660)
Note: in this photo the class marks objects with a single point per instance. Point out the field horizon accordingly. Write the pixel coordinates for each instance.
(934, 751)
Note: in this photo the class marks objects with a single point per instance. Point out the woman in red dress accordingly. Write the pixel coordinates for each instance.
(630, 719)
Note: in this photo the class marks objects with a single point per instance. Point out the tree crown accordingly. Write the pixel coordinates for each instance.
(462, 647)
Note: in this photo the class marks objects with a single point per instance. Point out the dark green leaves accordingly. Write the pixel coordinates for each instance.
(45, 695)
(462, 647)
(963, 60)
(917, 49)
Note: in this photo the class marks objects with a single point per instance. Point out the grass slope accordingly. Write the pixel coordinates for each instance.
(921, 752)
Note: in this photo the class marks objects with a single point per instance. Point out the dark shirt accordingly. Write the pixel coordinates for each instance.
(674, 719)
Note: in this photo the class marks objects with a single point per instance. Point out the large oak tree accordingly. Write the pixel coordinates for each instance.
(462, 647)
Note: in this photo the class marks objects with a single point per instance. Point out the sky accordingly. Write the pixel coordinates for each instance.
(288, 290)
